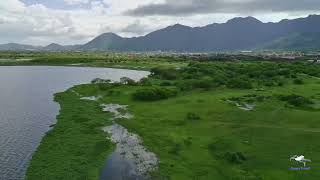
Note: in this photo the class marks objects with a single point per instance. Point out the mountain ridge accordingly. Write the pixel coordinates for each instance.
(240, 33)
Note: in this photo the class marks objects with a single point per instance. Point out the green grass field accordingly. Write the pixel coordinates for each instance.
(123, 61)
(196, 134)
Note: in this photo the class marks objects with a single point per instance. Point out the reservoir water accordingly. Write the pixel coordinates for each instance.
(27, 109)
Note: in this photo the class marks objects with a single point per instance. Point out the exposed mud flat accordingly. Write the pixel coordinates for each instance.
(118, 111)
(91, 98)
(243, 106)
(129, 147)
(247, 107)
(130, 160)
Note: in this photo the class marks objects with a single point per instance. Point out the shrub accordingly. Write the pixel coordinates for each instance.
(186, 85)
(280, 83)
(154, 94)
(235, 157)
(103, 87)
(101, 81)
(298, 81)
(188, 141)
(296, 100)
(165, 83)
(192, 117)
(128, 81)
(203, 83)
(165, 73)
(144, 81)
(175, 149)
(239, 83)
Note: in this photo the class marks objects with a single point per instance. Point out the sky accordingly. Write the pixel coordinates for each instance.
(41, 22)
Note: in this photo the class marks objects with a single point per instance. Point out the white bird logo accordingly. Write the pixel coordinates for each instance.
(300, 159)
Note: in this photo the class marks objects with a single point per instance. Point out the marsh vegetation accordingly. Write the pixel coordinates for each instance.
(184, 116)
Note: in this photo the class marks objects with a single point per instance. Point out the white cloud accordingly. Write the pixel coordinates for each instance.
(12, 6)
(118, 6)
(76, 2)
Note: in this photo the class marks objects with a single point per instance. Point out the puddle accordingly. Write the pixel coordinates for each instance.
(118, 168)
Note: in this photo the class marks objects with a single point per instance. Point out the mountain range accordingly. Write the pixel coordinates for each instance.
(236, 34)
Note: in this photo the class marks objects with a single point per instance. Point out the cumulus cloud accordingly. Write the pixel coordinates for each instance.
(190, 7)
(39, 24)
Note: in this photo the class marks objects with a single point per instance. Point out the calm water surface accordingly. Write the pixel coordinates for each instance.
(27, 108)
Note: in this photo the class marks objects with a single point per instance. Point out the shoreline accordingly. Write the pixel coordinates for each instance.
(100, 136)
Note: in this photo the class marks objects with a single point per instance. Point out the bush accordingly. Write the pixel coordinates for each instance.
(298, 81)
(280, 83)
(166, 83)
(165, 73)
(192, 117)
(154, 94)
(296, 100)
(203, 83)
(144, 81)
(103, 87)
(128, 81)
(235, 157)
(239, 84)
(101, 81)
(175, 149)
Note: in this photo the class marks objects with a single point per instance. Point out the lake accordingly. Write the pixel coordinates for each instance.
(27, 109)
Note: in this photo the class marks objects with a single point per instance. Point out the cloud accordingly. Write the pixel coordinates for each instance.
(136, 28)
(120, 6)
(76, 2)
(191, 7)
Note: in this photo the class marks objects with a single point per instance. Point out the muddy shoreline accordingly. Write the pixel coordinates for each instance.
(132, 159)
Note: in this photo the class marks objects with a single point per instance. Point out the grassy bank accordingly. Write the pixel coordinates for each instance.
(195, 120)
(76, 148)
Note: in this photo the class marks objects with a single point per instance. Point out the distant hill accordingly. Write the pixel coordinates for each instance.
(18, 47)
(54, 47)
(237, 34)
(104, 42)
(295, 41)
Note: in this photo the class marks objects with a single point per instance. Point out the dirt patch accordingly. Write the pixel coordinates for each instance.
(118, 111)
(91, 98)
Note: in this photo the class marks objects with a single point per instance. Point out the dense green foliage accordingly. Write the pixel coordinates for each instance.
(153, 94)
(296, 100)
(245, 75)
